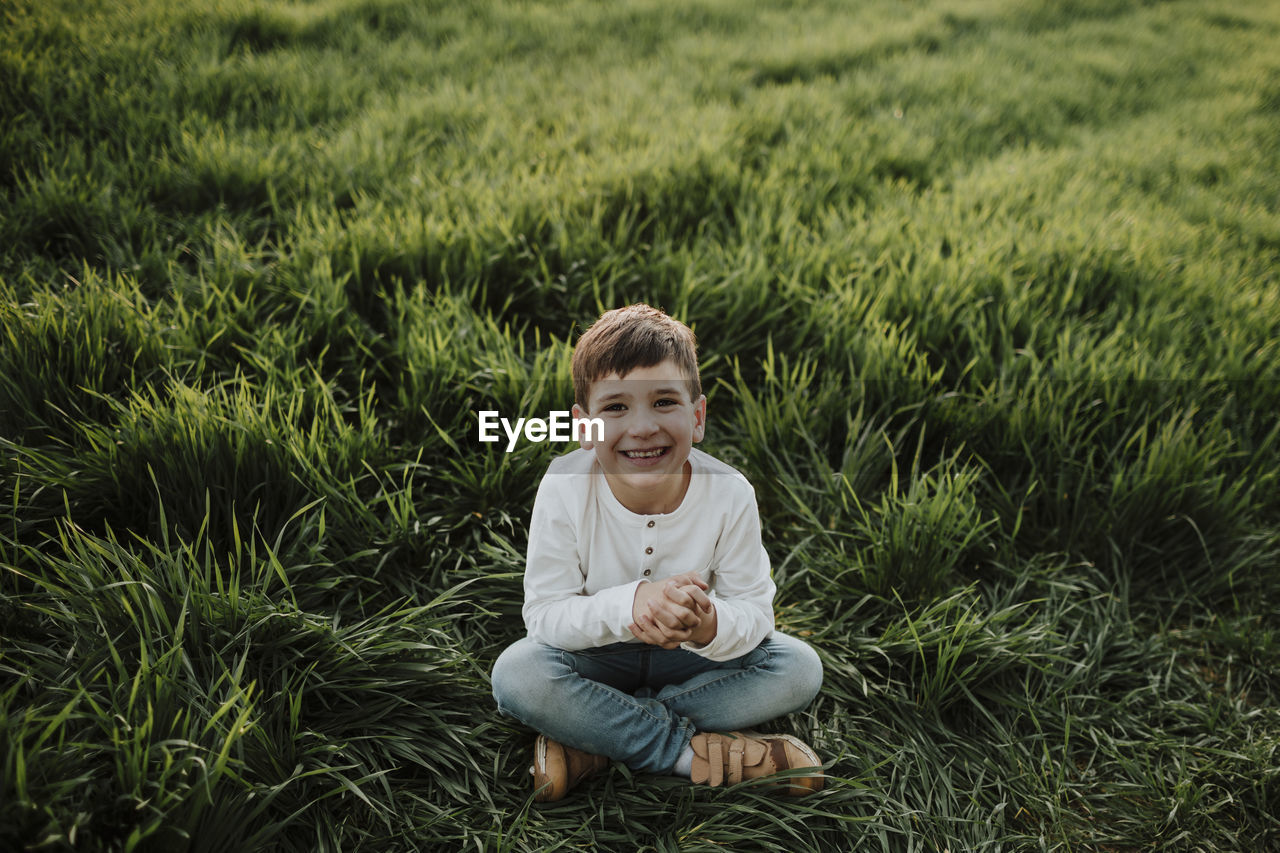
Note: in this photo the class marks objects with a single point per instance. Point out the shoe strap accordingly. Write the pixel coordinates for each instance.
(715, 758)
(735, 761)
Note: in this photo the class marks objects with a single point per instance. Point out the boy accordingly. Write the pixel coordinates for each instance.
(648, 598)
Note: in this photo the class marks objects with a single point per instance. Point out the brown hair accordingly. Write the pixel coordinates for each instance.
(626, 338)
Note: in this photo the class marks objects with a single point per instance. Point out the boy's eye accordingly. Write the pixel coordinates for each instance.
(615, 407)
(667, 402)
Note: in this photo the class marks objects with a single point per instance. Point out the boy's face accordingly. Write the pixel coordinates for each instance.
(650, 424)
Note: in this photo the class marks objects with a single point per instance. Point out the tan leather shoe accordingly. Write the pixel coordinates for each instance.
(732, 757)
(557, 768)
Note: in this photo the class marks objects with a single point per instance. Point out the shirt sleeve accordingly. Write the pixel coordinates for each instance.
(557, 611)
(741, 588)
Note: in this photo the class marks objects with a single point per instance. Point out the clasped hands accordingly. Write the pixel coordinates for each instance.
(672, 611)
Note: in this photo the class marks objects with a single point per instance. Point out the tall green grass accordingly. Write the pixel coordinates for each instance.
(986, 295)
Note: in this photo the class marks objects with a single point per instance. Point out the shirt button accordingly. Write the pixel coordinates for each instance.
(648, 550)
(652, 523)
(647, 572)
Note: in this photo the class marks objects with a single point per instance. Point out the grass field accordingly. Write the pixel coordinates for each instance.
(988, 300)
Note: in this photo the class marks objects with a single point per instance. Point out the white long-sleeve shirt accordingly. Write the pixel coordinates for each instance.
(587, 553)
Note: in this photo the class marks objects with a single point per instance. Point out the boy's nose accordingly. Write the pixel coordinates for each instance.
(643, 424)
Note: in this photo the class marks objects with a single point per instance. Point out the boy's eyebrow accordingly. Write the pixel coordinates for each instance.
(668, 390)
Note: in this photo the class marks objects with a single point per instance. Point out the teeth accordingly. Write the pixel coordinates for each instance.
(643, 454)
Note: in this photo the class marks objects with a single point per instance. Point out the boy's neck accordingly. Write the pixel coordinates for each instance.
(658, 501)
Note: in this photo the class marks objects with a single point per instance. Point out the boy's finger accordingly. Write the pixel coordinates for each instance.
(679, 620)
(687, 578)
(646, 634)
(679, 594)
(702, 599)
(689, 596)
(674, 615)
(668, 633)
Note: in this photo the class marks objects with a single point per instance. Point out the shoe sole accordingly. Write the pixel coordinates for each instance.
(539, 755)
(541, 793)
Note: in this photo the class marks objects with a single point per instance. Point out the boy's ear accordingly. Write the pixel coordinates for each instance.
(699, 417)
(584, 438)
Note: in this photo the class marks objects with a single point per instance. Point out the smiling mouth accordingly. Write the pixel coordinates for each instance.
(645, 454)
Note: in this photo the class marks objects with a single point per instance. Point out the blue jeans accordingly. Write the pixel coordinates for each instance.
(641, 704)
